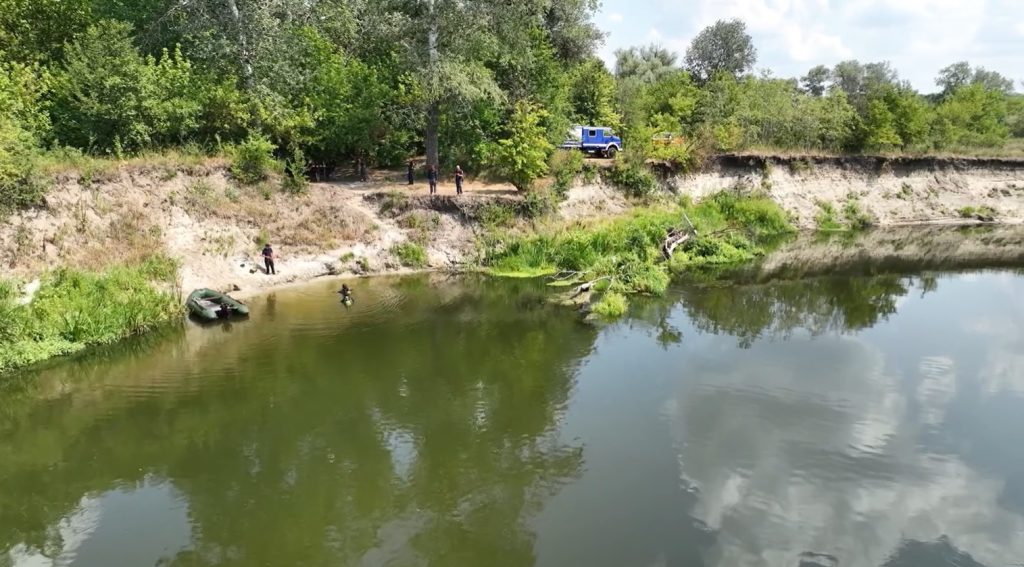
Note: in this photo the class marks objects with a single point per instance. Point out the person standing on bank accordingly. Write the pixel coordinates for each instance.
(459, 176)
(411, 173)
(268, 259)
(432, 178)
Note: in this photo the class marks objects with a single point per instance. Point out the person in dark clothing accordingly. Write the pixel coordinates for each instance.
(346, 294)
(268, 259)
(224, 312)
(459, 176)
(363, 176)
(411, 173)
(432, 178)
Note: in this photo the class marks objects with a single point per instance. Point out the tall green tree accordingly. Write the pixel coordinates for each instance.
(815, 82)
(522, 156)
(724, 47)
(647, 64)
(961, 74)
(592, 95)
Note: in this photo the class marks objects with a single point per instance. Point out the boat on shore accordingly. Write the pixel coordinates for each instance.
(210, 305)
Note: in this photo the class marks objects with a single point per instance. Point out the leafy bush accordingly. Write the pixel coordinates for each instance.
(565, 166)
(23, 123)
(410, 254)
(20, 184)
(521, 158)
(253, 160)
(294, 180)
(632, 176)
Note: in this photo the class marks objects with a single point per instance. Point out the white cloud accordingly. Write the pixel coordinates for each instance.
(615, 17)
(919, 37)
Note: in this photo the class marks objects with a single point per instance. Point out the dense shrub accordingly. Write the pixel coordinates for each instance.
(521, 157)
(565, 166)
(632, 176)
(253, 160)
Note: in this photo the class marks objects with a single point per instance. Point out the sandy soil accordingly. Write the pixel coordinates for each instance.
(891, 192)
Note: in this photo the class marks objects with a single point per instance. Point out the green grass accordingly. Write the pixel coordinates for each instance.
(612, 305)
(627, 250)
(410, 254)
(75, 310)
(856, 217)
(826, 219)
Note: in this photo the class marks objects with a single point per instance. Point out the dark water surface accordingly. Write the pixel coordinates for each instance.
(846, 421)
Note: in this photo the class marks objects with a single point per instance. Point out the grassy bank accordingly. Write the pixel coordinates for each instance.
(73, 310)
(624, 255)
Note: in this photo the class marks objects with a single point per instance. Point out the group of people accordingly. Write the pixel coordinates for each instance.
(460, 177)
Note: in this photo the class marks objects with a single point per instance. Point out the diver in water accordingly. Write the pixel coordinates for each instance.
(224, 312)
(346, 294)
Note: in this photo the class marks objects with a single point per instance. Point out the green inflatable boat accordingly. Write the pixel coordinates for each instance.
(210, 305)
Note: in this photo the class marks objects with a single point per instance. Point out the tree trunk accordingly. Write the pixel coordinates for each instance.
(243, 44)
(434, 109)
(433, 124)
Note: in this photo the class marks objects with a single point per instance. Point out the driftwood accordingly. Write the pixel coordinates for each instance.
(674, 239)
(677, 236)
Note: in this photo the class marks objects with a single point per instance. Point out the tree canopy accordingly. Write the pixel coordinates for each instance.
(724, 47)
(333, 81)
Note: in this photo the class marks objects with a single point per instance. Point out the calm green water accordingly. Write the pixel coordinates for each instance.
(848, 421)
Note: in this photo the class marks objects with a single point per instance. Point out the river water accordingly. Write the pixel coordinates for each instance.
(865, 419)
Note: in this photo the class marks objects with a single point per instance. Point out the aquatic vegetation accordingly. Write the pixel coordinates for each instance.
(626, 251)
(73, 310)
(612, 305)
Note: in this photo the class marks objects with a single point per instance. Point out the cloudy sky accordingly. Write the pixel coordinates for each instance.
(919, 37)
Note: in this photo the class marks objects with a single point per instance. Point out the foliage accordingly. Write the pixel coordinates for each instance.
(627, 250)
(857, 218)
(565, 166)
(631, 175)
(648, 64)
(961, 74)
(410, 254)
(971, 116)
(253, 160)
(826, 218)
(23, 124)
(592, 95)
(74, 310)
(724, 47)
(612, 305)
(521, 157)
(294, 180)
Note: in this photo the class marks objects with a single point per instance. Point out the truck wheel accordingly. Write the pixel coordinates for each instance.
(611, 151)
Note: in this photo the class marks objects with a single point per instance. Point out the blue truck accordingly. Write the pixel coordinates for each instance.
(594, 140)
